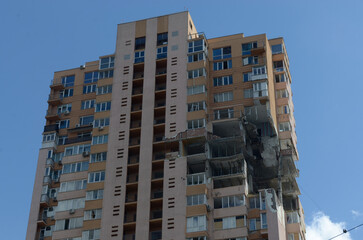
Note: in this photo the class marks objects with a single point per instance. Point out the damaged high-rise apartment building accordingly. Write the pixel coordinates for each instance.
(174, 136)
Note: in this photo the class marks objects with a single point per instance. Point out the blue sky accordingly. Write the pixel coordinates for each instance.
(323, 40)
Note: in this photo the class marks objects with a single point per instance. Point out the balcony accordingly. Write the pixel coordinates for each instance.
(259, 73)
(47, 180)
(132, 197)
(130, 217)
(160, 103)
(224, 114)
(52, 115)
(135, 124)
(159, 121)
(279, 66)
(159, 138)
(160, 71)
(44, 200)
(133, 160)
(54, 99)
(81, 128)
(156, 235)
(196, 179)
(51, 128)
(137, 91)
(136, 107)
(56, 84)
(160, 87)
(78, 139)
(49, 162)
(156, 194)
(134, 142)
(138, 75)
(159, 156)
(157, 214)
(129, 237)
(132, 178)
(42, 220)
(157, 175)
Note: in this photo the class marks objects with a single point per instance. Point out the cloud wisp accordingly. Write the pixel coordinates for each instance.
(322, 228)
(356, 213)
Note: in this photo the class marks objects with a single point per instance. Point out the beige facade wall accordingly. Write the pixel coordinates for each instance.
(117, 154)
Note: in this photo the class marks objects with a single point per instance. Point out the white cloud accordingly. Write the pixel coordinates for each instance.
(322, 228)
(356, 213)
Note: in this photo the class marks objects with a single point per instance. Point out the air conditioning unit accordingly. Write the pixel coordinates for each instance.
(85, 154)
(78, 125)
(72, 211)
(66, 112)
(101, 128)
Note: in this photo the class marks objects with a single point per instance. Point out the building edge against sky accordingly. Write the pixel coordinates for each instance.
(174, 136)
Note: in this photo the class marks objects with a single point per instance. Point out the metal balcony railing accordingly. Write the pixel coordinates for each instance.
(78, 139)
(50, 128)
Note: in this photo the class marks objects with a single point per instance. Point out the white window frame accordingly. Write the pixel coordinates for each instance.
(77, 149)
(103, 106)
(66, 93)
(87, 104)
(73, 185)
(222, 81)
(196, 73)
(65, 205)
(98, 157)
(64, 108)
(94, 195)
(260, 89)
(223, 97)
(109, 64)
(50, 137)
(192, 48)
(89, 88)
(197, 89)
(75, 167)
(104, 90)
(101, 139)
(222, 65)
(139, 55)
(94, 177)
(196, 179)
(196, 106)
(92, 234)
(284, 126)
(92, 214)
(198, 199)
(72, 223)
(196, 123)
(250, 60)
(101, 122)
(196, 224)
